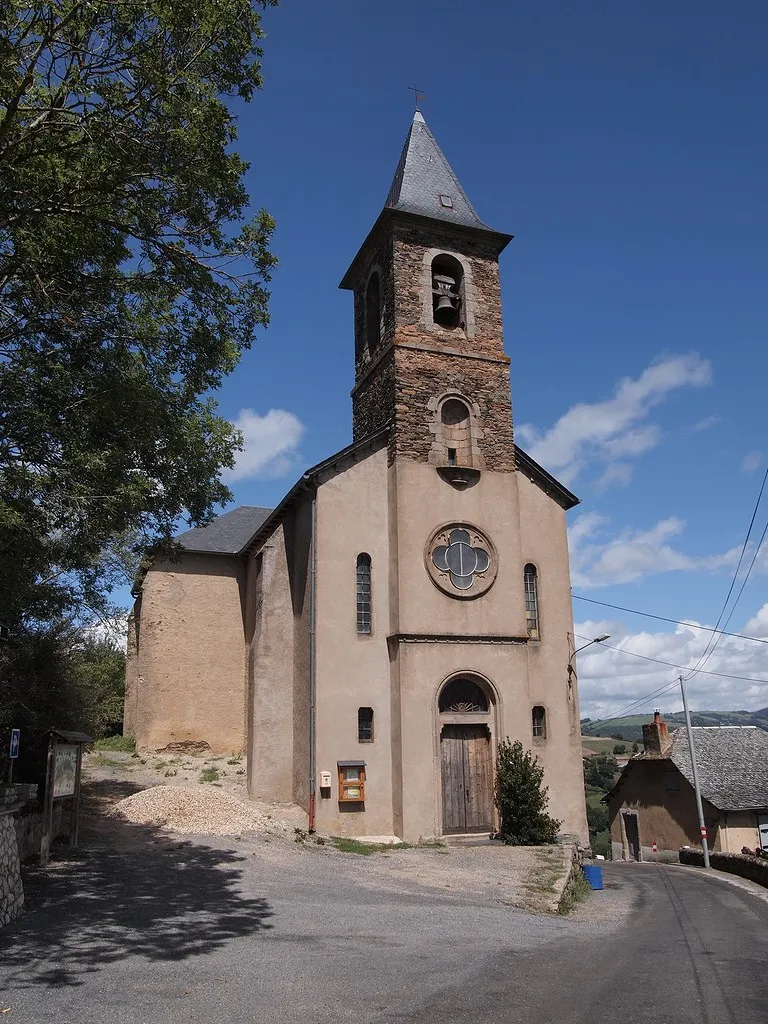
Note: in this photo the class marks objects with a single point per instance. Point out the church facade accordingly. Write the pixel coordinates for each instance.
(371, 640)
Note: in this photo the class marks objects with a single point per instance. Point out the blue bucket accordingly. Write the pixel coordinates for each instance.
(594, 875)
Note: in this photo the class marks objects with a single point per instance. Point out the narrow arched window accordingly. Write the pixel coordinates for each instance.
(455, 422)
(530, 586)
(539, 722)
(373, 313)
(365, 725)
(363, 594)
(447, 278)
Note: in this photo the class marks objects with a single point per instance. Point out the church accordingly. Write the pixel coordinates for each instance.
(369, 642)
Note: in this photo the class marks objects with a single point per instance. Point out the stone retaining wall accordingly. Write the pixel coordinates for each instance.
(753, 868)
(11, 892)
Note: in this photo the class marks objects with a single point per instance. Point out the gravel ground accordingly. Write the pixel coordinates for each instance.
(199, 811)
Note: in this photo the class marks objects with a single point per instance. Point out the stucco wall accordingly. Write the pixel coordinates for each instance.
(270, 628)
(739, 828)
(544, 543)
(190, 668)
(665, 817)
(353, 669)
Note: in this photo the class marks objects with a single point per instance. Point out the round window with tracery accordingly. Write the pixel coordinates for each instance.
(461, 560)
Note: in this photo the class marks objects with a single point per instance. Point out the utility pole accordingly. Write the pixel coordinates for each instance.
(697, 791)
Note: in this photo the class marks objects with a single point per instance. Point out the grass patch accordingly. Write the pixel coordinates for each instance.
(347, 845)
(549, 866)
(126, 744)
(209, 775)
(575, 892)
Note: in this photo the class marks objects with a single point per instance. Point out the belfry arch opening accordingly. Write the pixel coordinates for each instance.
(447, 291)
(373, 312)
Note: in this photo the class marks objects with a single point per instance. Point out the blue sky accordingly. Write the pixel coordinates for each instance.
(624, 146)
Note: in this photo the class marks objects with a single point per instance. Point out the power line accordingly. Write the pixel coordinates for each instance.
(680, 668)
(663, 618)
(715, 639)
(635, 705)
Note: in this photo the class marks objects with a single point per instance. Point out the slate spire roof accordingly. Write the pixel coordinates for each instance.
(425, 183)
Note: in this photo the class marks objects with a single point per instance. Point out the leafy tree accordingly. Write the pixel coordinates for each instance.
(635, 748)
(600, 770)
(597, 818)
(522, 799)
(619, 748)
(62, 677)
(132, 278)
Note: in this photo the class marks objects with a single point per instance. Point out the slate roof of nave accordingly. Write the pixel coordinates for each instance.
(228, 534)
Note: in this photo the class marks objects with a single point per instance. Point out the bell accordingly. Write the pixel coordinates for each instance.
(446, 313)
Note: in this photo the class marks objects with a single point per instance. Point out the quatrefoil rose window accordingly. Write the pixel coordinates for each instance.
(461, 560)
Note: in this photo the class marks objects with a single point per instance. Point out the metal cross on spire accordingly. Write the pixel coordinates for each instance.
(418, 94)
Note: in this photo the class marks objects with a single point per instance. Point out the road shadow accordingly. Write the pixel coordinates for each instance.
(127, 890)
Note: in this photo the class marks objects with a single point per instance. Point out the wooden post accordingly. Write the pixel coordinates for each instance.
(45, 841)
(75, 820)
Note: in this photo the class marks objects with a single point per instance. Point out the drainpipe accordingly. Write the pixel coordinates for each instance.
(312, 592)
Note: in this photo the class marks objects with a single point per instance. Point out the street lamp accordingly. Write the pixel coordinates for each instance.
(598, 640)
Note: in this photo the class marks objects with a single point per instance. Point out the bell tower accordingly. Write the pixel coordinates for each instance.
(429, 350)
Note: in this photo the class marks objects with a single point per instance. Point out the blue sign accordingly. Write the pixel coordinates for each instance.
(15, 740)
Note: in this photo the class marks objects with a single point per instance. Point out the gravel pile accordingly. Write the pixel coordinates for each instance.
(202, 812)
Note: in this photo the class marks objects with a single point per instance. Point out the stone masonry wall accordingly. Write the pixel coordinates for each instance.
(418, 360)
(421, 376)
(11, 892)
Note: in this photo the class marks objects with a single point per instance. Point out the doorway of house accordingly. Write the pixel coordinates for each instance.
(633, 835)
(467, 776)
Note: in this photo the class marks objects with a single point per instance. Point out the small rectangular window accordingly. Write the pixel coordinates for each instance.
(451, 456)
(351, 782)
(539, 722)
(365, 725)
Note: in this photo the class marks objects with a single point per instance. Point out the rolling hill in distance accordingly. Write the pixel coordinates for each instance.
(631, 727)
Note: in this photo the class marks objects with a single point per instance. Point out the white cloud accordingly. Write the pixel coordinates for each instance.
(612, 429)
(600, 561)
(751, 462)
(270, 444)
(609, 680)
(706, 423)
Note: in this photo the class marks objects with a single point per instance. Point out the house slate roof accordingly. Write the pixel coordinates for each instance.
(423, 175)
(228, 534)
(732, 761)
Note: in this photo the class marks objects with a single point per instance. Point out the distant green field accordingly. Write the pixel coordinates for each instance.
(598, 744)
(631, 728)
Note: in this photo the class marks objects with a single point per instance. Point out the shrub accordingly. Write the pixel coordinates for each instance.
(600, 770)
(125, 743)
(522, 799)
(619, 748)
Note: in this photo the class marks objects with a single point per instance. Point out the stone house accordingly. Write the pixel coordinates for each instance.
(653, 799)
(407, 605)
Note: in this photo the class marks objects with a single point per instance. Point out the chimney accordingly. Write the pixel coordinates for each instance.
(656, 736)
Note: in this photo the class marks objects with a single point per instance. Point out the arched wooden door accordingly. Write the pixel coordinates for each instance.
(467, 779)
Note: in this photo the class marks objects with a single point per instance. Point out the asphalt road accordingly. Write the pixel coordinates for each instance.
(160, 932)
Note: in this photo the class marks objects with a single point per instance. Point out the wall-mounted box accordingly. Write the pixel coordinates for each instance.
(325, 780)
(351, 781)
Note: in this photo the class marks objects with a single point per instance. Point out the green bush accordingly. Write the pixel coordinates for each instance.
(127, 744)
(600, 770)
(597, 819)
(619, 748)
(522, 799)
(601, 843)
